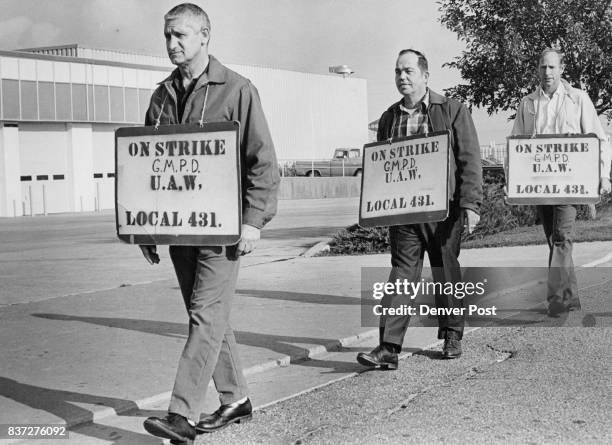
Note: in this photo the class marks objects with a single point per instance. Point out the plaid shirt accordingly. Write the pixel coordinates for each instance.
(408, 122)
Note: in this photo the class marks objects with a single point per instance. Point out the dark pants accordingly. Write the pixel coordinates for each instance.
(409, 243)
(558, 222)
(207, 277)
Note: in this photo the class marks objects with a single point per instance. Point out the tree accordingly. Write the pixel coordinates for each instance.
(504, 38)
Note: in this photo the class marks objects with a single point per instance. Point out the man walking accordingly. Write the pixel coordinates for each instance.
(201, 89)
(421, 111)
(555, 107)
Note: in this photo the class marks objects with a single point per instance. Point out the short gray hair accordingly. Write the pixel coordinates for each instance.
(189, 9)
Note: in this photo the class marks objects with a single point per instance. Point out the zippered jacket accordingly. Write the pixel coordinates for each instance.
(226, 96)
(465, 167)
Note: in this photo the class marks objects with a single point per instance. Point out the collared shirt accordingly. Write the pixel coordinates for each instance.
(183, 93)
(221, 95)
(465, 168)
(548, 111)
(411, 121)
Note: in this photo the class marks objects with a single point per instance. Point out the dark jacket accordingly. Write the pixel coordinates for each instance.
(465, 182)
(230, 97)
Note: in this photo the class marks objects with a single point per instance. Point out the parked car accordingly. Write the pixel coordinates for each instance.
(345, 162)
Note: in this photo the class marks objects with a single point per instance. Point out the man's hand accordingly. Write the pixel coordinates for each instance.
(470, 220)
(248, 241)
(604, 186)
(150, 253)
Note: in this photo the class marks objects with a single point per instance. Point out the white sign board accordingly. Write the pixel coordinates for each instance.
(405, 181)
(179, 184)
(553, 169)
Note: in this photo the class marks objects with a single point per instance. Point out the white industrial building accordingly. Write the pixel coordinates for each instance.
(60, 106)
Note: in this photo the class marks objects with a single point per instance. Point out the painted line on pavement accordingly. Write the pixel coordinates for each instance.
(602, 260)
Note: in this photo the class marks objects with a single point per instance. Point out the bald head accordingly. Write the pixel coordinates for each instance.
(550, 69)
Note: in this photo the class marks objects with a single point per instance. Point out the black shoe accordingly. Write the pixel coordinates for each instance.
(452, 348)
(173, 426)
(574, 305)
(380, 356)
(225, 415)
(556, 308)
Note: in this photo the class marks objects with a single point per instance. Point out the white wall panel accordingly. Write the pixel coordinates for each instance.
(27, 69)
(104, 149)
(149, 79)
(44, 70)
(43, 149)
(115, 76)
(104, 162)
(62, 72)
(105, 192)
(9, 68)
(78, 72)
(130, 77)
(50, 196)
(100, 74)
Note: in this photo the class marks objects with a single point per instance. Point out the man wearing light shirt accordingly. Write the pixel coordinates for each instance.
(558, 108)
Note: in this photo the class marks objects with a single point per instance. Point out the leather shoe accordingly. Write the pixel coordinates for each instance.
(380, 356)
(452, 348)
(224, 416)
(173, 426)
(556, 308)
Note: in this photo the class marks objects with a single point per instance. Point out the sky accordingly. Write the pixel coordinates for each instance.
(300, 35)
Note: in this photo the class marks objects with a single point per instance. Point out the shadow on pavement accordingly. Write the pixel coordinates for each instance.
(299, 297)
(62, 404)
(277, 343)
(433, 355)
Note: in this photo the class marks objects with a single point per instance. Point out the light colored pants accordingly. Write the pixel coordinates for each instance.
(207, 277)
(558, 222)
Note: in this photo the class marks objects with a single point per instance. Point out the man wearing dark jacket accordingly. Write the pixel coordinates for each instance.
(421, 111)
(202, 90)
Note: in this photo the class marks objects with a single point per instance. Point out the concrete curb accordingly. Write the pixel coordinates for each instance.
(308, 353)
(321, 246)
(284, 361)
(402, 356)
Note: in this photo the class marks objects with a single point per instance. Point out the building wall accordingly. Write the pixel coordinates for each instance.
(309, 115)
(104, 164)
(55, 90)
(43, 167)
(62, 113)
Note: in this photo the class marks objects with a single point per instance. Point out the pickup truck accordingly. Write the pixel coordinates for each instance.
(346, 162)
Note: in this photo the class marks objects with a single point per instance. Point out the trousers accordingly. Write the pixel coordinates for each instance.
(558, 222)
(207, 278)
(442, 242)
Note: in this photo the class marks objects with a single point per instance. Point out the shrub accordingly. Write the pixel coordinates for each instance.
(496, 216)
(356, 240)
